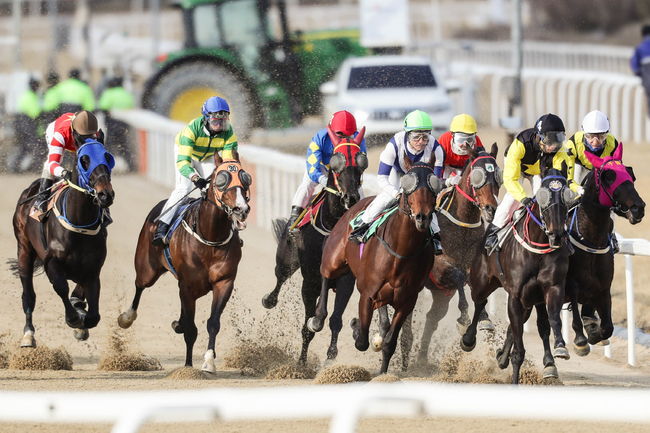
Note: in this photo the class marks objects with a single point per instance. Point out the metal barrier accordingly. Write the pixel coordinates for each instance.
(343, 404)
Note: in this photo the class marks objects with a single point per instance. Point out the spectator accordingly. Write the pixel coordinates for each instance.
(640, 62)
(116, 97)
(51, 105)
(71, 95)
(26, 124)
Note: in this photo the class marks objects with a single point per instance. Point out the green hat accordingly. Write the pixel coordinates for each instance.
(418, 120)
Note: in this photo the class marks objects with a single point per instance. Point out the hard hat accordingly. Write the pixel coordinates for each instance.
(344, 123)
(417, 120)
(463, 123)
(595, 122)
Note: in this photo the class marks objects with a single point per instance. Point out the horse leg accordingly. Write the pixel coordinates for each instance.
(361, 326)
(344, 290)
(517, 315)
(221, 292)
(146, 276)
(54, 272)
(390, 340)
(384, 324)
(286, 264)
(438, 310)
(503, 354)
(463, 320)
(544, 330)
(316, 322)
(554, 308)
(468, 340)
(26, 257)
(406, 340)
(590, 322)
(604, 308)
(188, 309)
(309, 294)
(78, 297)
(580, 346)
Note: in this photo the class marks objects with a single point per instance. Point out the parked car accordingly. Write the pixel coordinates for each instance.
(381, 90)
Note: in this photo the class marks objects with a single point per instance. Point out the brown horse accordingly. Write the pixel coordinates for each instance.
(461, 216)
(203, 254)
(392, 266)
(532, 266)
(71, 244)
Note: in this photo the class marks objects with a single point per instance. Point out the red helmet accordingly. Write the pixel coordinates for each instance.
(343, 122)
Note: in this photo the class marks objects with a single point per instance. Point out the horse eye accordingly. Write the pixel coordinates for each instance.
(337, 162)
(246, 179)
(362, 160)
(85, 162)
(222, 180)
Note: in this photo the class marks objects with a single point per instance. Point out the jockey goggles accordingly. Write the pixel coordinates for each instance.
(602, 136)
(552, 140)
(462, 138)
(419, 136)
(218, 115)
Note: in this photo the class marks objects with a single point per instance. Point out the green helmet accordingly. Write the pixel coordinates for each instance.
(417, 120)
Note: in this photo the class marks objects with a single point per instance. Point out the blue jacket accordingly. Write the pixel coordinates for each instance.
(319, 153)
(641, 56)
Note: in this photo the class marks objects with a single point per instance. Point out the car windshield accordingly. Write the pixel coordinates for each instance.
(373, 77)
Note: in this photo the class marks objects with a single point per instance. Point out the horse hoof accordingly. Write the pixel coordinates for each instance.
(332, 353)
(486, 325)
(269, 302)
(176, 326)
(28, 340)
(127, 318)
(581, 350)
(78, 303)
(467, 347)
(550, 372)
(377, 342)
(208, 362)
(81, 334)
(604, 342)
(314, 324)
(354, 323)
(561, 352)
(461, 327)
(79, 323)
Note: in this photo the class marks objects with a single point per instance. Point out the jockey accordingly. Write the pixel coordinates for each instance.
(594, 138)
(68, 132)
(455, 145)
(196, 145)
(522, 161)
(319, 153)
(417, 142)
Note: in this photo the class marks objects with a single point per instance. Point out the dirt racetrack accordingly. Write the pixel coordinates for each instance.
(245, 318)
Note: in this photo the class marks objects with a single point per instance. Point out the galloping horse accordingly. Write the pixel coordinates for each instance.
(71, 245)
(392, 266)
(532, 266)
(461, 214)
(304, 249)
(203, 255)
(610, 185)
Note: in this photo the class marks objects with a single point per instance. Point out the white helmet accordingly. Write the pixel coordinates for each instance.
(595, 122)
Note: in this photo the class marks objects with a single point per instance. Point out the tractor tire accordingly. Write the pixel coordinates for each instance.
(180, 93)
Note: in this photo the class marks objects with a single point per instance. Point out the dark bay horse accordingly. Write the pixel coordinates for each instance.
(71, 244)
(610, 185)
(304, 249)
(532, 266)
(461, 217)
(392, 266)
(203, 254)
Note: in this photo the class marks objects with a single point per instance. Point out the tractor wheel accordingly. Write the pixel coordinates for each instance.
(181, 92)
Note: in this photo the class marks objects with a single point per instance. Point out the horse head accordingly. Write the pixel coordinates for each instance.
(419, 187)
(93, 169)
(230, 186)
(554, 199)
(481, 180)
(346, 166)
(615, 185)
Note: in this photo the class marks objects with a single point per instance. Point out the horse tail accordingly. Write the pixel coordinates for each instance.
(279, 225)
(15, 269)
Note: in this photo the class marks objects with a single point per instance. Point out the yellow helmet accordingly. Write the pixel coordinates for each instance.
(463, 123)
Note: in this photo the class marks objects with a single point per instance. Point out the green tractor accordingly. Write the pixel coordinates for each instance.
(230, 51)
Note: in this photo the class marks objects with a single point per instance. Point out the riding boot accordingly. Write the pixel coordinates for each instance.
(295, 213)
(358, 233)
(613, 243)
(43, 194)
(491, 238)
(437, 244)
(161, 231)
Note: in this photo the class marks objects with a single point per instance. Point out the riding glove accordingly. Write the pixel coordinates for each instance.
(526, 201)
(322, 180)
(65, 174)
(452, 180)
(199, 182)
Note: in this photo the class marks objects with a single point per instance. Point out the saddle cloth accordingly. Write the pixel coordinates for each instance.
(55, 192)
(376, 223)
(179, 214)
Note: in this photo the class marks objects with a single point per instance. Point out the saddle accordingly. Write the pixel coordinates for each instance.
(55, 192)
(181, 210)
(506, 230)
(375, 224)
(311, 211)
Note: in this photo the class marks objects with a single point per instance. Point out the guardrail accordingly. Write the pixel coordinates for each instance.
(343, 404)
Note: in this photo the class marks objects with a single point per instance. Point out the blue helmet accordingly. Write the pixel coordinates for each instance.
(213, 105)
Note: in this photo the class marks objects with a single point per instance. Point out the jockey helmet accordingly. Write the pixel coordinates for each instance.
(463, 123)
(216, 113)
(343, 123)
(85, 123)
(417, 120)
(595, 122)
(214, 105)
(551, 132)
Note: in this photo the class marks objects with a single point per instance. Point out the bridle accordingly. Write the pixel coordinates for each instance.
(229, 175)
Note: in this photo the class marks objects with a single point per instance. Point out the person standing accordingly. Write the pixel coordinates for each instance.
(116, 97)
(640, 62)
(26, 123)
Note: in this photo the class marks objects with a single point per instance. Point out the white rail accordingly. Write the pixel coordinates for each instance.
(344, 404)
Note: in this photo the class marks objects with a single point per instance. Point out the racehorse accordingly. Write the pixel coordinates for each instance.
(303, 249)
(71, 245)
(532, 266)
(610, 185)
(461, 216)
(203, 255)
(390, 268)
